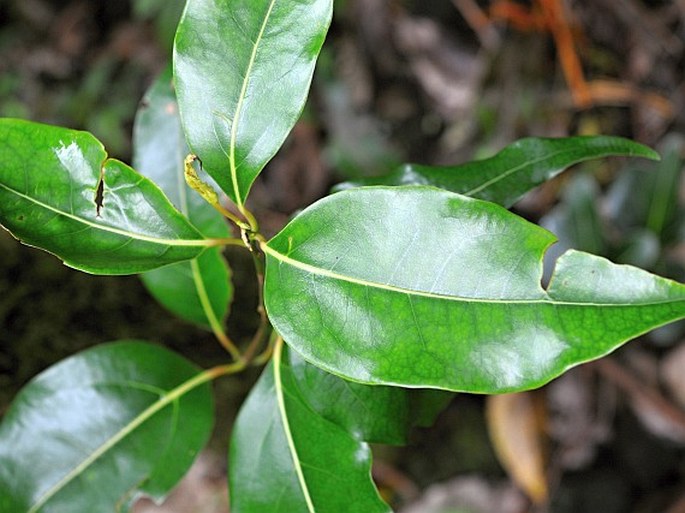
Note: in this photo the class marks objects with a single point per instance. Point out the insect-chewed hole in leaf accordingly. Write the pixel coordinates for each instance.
(100, 194)
(549, 262)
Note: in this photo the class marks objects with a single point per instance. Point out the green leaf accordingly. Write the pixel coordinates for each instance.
(286, 458)
(376, 414)
(419, 287)
(640, 248)
(649, 197)
(242, 70)
(512, 172)
(99, 428)
(50, 178)
(576, 220)
(199, 290)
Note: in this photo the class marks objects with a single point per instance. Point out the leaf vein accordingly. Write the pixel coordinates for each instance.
(136, 236)
(312, 269)
(239, 106)
(277, 361)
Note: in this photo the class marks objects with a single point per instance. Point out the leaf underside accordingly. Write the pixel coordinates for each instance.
(60, 193)
(515, 170)
(101, 427)
(419, 287)
(201, 289)
(242, 70)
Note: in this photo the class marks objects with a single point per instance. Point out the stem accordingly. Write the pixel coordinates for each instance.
(262, 358)
(264, 329)
(254, 225)
(210, 196)
(232, 217)
(257, 341)
(226, 241)
(227, 344)
(249, 228)
(214, 322)
(217, 372)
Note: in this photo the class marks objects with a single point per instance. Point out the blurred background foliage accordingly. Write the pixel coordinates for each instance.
(434, 82)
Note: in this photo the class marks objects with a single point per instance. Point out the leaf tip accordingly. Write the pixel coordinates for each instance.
(652, 154)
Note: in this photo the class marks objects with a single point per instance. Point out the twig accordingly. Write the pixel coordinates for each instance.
(611, 92)
(521, 18)
(556, 20)
(397, 481)
(479, 22)
(614, 372)
(264, 330)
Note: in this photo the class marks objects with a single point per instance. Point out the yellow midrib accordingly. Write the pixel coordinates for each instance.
(277, 359)
(126, 430)
(393, 288)
(513, 170)
(239, 107)
(111, 229)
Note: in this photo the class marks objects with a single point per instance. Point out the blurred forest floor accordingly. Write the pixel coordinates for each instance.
(435, 82)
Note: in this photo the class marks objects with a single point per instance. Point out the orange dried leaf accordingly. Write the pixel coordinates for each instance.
(516, 430)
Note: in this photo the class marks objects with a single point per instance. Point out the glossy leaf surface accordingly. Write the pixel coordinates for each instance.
(416, 286)
(286, 458)
(99, 428)
(515, 170)
(576, 221)
(49, 178)
(242, 70)
(199, 290)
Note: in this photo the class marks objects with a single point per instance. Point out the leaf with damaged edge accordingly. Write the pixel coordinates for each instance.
(199, 290)
(242, 70)
(420, 287)
(286, 458)
(95, 430)
(576, 220)
(512, 172)
(49, 181)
